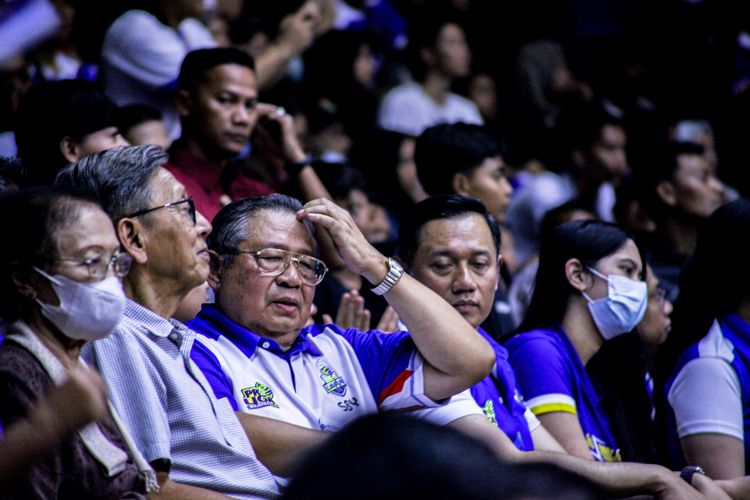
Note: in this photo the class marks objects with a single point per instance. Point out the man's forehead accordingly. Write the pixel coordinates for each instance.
(227, 75)
(449, 234)
(164, 185)
(271, 228)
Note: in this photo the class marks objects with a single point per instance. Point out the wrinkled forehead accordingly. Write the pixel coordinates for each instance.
(279, 228)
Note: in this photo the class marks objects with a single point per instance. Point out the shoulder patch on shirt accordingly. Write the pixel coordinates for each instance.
(258, 396)
(332, 382)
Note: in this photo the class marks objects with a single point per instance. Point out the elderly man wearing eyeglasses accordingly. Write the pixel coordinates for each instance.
(193, 441)
(257, 353)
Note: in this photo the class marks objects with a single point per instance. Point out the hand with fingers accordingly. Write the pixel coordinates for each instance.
(351, 312)
(277, 134)
(357, 254)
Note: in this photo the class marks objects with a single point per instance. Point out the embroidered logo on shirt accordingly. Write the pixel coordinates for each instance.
(600, 451)
(332, 383)
(258, 396)
(489, 411)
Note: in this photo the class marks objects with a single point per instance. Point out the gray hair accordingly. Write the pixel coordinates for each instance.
(231, 226)
(118, 178)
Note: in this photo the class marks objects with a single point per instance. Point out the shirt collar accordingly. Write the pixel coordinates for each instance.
(204, 172)
(148, 319)
(213, 323)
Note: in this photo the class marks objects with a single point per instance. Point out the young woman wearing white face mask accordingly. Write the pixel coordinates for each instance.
(589, 288)
(60, 282)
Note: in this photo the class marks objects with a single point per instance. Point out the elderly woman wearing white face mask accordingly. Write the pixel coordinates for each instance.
(60, 283)
(589, 288)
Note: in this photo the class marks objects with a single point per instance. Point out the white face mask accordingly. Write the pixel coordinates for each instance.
(623, 307)
(87, 311)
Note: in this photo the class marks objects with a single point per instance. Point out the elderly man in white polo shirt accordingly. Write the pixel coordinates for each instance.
(256, 352)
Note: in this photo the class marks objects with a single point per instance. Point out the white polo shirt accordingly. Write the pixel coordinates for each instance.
(325, 380)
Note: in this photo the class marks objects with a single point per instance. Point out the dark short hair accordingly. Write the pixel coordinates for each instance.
(400, 457)
(232, 224)
(423, 35)
(340, 179)
(442, 151)
(118, 178)
(198, 63)
(586, 240)
(663, 168)
(440, 207)
(715, 280)
(34, 217)
(134, 114)
(51, 111)
(580, 127)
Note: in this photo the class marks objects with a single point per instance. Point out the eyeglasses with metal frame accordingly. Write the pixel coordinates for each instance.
(190, 210)
(275, 261)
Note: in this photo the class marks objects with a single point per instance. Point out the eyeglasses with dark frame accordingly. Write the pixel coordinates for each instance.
(189, 201)
(275, 261)
(98, 267)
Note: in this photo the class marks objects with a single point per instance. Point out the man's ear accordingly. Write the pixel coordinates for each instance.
(214, 274)
(499, 267)
(183, 101)
(577, 275)
(132, 238)
(70, 149)
(460, 184)
(666, 193)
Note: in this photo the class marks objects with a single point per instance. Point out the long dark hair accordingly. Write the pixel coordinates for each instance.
(586, 240)
(713, 283)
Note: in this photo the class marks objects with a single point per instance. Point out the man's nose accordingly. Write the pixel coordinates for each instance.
(463, 279)
(290, 276)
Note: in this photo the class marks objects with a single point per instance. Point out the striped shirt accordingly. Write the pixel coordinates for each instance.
(169, 407)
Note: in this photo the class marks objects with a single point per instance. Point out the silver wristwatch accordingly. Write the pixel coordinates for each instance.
(395, 271)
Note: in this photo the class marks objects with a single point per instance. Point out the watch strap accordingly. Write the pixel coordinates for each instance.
(395, 271)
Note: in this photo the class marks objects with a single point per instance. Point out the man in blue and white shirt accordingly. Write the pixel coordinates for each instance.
(255, 352)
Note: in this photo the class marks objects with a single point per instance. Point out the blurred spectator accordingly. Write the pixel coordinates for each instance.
(143, 50)
(680, 194)
(439, 54)
(349, 190)
(701, 132)
(58, 58)
(705, 361)
(421, 460)
(140, 124)
(595, 161)
(11, 174)
(522, 288)
(60, 122)
(342, 69)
